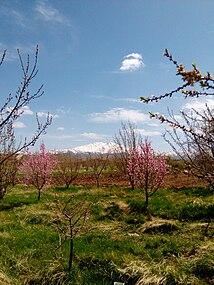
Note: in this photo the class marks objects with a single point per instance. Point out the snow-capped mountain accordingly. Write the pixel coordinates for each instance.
(98, 147)
(92, 148)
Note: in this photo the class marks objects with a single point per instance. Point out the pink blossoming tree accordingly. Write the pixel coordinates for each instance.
(148, 170)
(37, 168)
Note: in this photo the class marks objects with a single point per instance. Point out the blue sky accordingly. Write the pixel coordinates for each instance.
(97, 57)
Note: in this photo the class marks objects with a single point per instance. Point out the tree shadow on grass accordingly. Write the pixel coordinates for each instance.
(197, 192)
(10, 205)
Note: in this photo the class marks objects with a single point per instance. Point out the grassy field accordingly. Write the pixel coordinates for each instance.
(171, 243)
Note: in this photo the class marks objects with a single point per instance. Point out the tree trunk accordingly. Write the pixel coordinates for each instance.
(146, 188)
(147, 193)
(132, 184)
(1, 193)
(39, 194)
(147, 199)
(97, 180)
(70, 255)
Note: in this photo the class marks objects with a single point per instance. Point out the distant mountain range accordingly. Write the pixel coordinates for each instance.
(96, 149)
(92, 149)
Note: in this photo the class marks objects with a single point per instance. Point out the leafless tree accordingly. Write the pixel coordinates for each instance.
(13, 107)
(97, 165)
(127, 140)
(67, 169)
(69, 218)
(192, 138)
(195, 147)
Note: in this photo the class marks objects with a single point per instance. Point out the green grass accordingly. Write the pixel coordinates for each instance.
(172, 243)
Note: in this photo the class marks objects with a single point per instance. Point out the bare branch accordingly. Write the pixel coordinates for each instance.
(3, 57)
(190, 77)
(12, 109)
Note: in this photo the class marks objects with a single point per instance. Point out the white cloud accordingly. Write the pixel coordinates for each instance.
(93, 136)
(18, 17)
(27, 111)
(9, 11)
(119, 114)
(12, 54)
(154, 124)
(77, 136)
(199, 105)
(42, 114)
(62, 111)
(134, 55)
(118, 99)
(132, 62)
(49, 13)
(148, 133)
(60, 128)
(45, 114)
(24, 110)
(60, 137)
(19, 125)
(178, 118)
(132, 100)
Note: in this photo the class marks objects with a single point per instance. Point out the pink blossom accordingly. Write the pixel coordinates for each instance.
(146, 168)
(37, 167)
